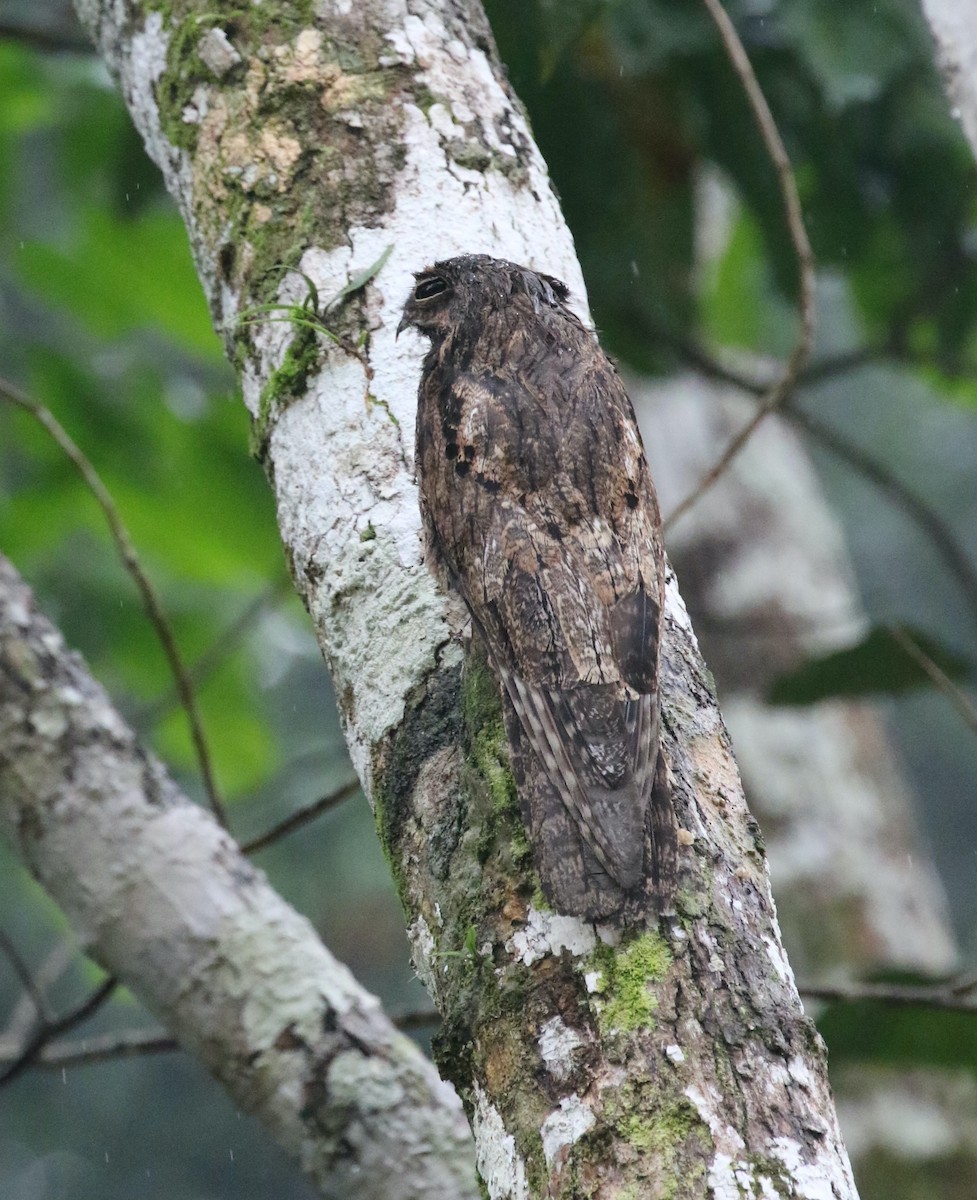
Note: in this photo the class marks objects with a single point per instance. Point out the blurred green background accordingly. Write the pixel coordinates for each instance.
(102, 319)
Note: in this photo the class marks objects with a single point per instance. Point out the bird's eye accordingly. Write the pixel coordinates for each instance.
(428, 288)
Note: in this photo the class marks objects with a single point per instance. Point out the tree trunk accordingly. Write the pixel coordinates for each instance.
(653, 1061)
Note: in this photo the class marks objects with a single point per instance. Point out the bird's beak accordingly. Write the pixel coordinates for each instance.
(404, 324)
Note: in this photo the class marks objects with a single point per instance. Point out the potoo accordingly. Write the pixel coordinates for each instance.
(539, 509)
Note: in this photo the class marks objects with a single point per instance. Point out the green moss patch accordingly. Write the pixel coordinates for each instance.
(627, 1001)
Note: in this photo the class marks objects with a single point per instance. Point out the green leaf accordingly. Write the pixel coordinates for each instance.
(360, 280)
(876, 664)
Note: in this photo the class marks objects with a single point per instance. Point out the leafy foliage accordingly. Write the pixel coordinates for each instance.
(643, 87)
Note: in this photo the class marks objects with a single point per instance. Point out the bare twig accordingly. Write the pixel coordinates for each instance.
(955, 995)
(421, 1018)
(302, 817)
(130, 560)
(23, 973)
(760, 625)
(813, 373)
(47, 1030)
(925, 517)
(128, 1044)
(921, 513)
(936, 675)
(215, 654)
(783, 386)
(840, 364)
(134, 1043)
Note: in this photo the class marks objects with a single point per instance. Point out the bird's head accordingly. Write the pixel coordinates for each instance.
(456, 289)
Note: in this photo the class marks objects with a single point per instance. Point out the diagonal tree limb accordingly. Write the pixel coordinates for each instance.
(168, 904)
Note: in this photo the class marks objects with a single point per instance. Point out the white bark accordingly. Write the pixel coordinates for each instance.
(163, 899)
(954, 27)
(387, 123)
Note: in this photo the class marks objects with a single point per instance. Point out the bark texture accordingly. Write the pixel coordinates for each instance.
(654, 1062)
(954, 28)
(164, 900)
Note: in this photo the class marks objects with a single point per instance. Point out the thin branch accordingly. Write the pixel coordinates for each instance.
(957, 995)
(129, 1044)
(925, 517)
(841, 363)
(130, 560)
(136, 1043)
(828, 367)
(216, 654)
(301, 817)
(761, 625)
(937, 676)
(23, 973)
(46, 1030)
(782, 388)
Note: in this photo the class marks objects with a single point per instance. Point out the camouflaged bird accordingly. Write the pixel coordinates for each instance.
(539, 508)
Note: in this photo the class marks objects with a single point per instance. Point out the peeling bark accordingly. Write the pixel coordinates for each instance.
(683, 1065)
(163, 899)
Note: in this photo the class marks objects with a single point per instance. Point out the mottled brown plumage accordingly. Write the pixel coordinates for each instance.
(539, 509)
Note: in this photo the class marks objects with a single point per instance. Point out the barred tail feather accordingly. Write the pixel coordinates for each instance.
(609, 819)
(663, 832)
